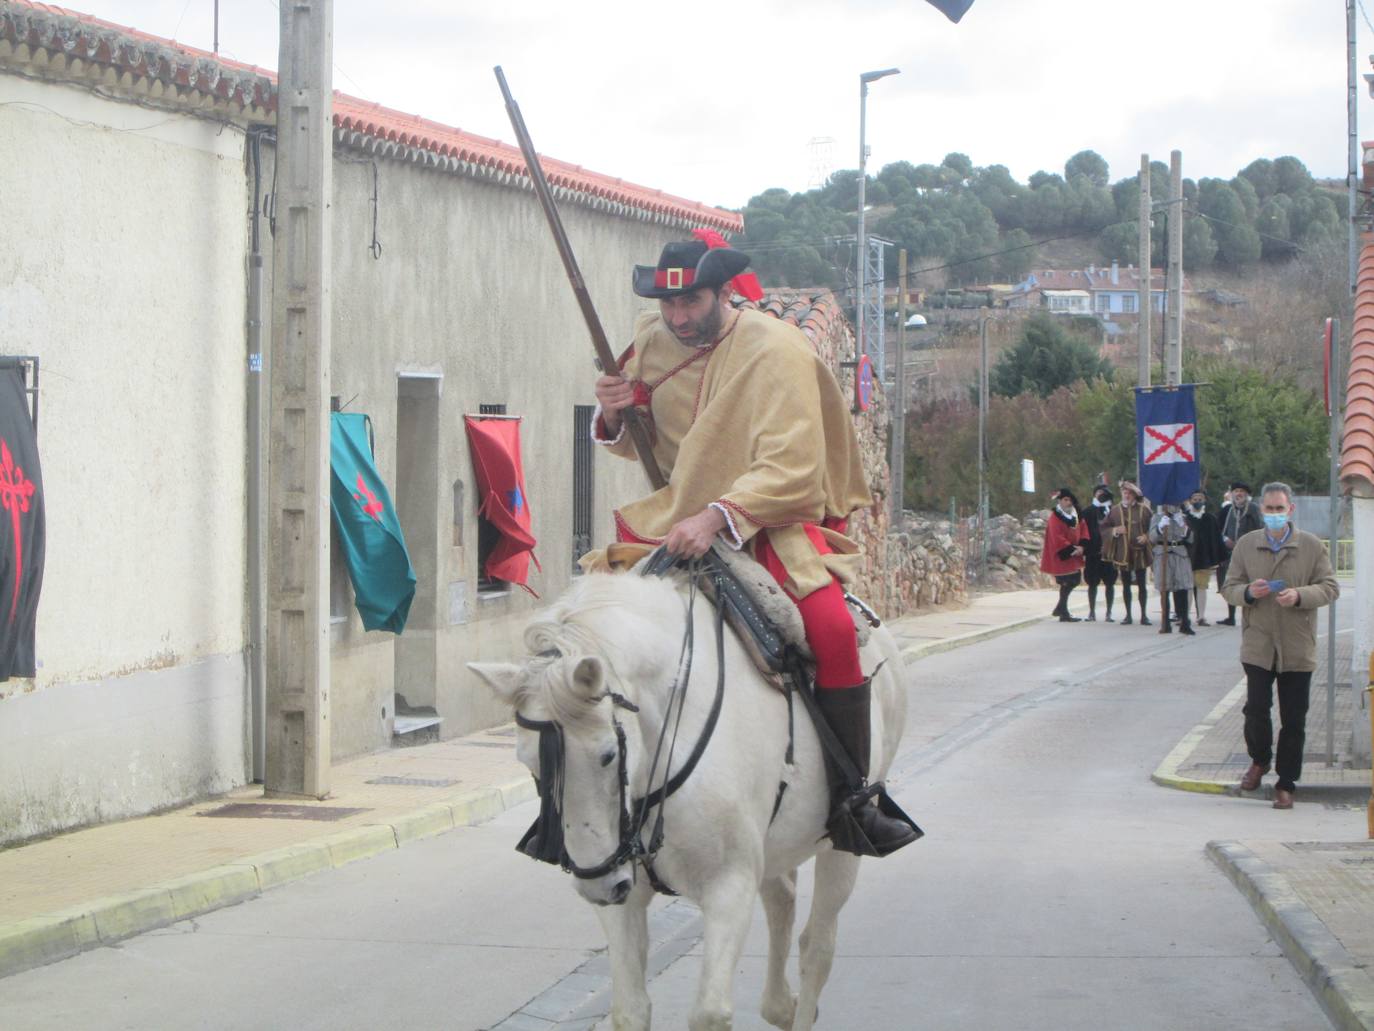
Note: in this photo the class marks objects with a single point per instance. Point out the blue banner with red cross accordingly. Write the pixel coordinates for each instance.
(1167, 443)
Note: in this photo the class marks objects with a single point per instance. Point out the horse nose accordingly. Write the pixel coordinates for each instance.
(621, 891)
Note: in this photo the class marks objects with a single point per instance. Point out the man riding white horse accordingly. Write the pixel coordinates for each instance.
(755, 437)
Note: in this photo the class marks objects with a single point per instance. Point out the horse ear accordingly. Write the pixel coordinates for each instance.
(588, 676)
(504, 678)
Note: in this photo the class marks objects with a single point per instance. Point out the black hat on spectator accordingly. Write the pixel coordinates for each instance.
(1241, 485)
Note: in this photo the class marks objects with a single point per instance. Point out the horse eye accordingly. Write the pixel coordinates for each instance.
(607, 757)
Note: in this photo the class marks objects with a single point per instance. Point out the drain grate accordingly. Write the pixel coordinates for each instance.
(414, 782)
(279, 811)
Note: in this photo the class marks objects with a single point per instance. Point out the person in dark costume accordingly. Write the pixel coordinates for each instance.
(1126, 542)
(1241, 518)
(1097, 569)
(1066, 540)
(1206, 550)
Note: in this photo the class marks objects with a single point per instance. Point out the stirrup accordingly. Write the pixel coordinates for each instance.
(868, 810)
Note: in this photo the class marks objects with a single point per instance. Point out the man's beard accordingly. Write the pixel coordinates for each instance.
(704, 330)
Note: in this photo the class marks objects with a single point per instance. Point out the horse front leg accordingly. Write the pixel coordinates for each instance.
(836, 873)
(627, 939)
(725, 913)
(779, 896)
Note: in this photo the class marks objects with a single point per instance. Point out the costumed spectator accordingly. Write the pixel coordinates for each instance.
(1241, 518)
(1279, 576)
(1096, 568)
(1169, 534)
(1125, 533)
(1205, 551)
(756, 440)
(1066, 540)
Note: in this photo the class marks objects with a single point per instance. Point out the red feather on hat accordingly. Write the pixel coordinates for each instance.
(746, 284)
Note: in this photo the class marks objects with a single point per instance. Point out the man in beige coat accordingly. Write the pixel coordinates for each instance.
(1279, 577)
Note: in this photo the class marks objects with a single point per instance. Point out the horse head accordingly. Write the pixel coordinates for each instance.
(574, 736)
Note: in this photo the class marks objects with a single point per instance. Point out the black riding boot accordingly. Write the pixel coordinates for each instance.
(1092, 603)
(1141, 594)
(856, 823)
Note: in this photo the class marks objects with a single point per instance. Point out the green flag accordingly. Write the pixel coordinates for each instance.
(369, 532)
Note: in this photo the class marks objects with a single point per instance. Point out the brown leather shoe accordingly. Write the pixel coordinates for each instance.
(1253, 776)
(1283, 799)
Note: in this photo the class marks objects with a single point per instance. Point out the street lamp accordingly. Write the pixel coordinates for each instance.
(864, 79)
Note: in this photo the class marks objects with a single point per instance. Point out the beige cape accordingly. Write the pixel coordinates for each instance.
(761, 427)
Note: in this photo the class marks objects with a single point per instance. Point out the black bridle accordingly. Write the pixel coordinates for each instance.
(544, 839)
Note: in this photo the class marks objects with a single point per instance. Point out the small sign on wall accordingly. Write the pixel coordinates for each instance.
(1028, 475)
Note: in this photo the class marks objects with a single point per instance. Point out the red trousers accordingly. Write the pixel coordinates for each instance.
(825, 614)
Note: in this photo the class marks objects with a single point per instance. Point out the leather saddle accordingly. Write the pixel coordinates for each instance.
(766, 621)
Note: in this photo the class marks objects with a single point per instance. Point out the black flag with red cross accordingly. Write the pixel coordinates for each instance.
(23, 534)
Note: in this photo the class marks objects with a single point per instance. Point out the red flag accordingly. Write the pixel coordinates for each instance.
(495, 447)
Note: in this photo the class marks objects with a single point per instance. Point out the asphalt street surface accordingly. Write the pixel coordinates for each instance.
(1057, 888)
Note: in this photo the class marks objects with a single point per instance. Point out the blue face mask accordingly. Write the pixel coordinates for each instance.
(1275, 521)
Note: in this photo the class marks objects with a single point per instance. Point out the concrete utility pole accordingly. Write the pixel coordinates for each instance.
(1145, 281)
(298, 725)
(897, 463)
(1173, 329)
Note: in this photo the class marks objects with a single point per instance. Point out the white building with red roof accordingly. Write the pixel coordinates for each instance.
(133, 171)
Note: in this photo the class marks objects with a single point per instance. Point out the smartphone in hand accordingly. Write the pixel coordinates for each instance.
(1277, 585)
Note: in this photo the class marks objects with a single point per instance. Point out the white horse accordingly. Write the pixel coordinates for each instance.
(603, 661)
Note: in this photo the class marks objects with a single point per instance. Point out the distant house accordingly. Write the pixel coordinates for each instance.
(1111, 291)
(1067, 302)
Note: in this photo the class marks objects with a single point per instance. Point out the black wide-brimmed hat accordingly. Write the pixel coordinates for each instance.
(688, 265)
(1064, 492)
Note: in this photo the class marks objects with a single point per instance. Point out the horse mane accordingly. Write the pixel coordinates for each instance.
(612, 616)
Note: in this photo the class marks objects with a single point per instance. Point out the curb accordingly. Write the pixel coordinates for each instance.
(1167, 775)
(919, 651)
(1344, 990)
(54, 936)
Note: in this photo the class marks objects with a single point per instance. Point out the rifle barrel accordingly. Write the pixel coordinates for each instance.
(605, 357)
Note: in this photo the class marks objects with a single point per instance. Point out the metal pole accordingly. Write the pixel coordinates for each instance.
(897, 463)
(983, 443)
(216, 26)
(862, 300)
(1145, 279)
(1353, 157)
(257, 602)
(1173, 329)
(1333, 535)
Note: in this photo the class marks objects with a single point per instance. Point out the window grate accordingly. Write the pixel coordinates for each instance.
(583, 487)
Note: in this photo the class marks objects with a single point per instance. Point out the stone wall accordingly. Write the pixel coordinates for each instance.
(1014, 548)
(920, 563)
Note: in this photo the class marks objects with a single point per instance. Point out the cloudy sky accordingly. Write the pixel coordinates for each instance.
(717, 101)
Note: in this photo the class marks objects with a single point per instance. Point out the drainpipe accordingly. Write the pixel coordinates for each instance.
(257, 602)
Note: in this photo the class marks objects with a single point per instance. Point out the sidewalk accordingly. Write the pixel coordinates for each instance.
(1316, 898)
(91, 887)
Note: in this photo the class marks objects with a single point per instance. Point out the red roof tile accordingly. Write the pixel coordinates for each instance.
(359, 123)
(1357, 438)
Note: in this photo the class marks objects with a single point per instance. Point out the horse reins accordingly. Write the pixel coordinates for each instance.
(635, 815)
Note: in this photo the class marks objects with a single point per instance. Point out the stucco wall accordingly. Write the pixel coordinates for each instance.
(470, 287)
(123, 271)
(129, 283)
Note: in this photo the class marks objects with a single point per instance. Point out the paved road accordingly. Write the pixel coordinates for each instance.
(1057, 888)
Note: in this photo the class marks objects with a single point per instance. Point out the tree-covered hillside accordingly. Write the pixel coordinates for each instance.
(979, 224)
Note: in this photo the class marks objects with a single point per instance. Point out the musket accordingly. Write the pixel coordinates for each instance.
(606, 362)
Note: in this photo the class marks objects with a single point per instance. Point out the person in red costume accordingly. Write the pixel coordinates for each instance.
(1066, 538)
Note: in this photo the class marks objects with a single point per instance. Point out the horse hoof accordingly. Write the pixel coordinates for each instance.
(780, 1014)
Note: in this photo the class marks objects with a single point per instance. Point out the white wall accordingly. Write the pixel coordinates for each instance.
(123, 271)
